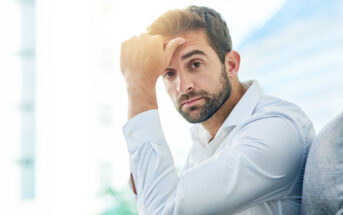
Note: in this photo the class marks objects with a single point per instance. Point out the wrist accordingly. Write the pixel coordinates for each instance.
(138, 81)
(141, 97)
(139, 85)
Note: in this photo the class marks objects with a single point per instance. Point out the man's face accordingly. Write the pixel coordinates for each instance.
(196, 80)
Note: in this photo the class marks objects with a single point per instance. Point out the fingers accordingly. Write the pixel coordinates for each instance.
(171, 46)
(147, 54)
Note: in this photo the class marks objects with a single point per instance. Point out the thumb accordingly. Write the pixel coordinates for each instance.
(171, 46)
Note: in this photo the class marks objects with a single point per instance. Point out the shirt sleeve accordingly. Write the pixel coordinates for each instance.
(151, 162)
(260, 164)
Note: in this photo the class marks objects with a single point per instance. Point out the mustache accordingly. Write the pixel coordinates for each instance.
(191, 95)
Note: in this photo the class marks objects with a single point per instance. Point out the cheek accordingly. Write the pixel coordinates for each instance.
(210, 79)
(204, 81)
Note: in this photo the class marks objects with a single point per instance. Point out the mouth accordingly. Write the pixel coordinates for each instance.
(190, 102)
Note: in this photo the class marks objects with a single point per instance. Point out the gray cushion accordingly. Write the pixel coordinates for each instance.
(323, 182)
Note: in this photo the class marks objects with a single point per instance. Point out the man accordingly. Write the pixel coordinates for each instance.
(248, 151)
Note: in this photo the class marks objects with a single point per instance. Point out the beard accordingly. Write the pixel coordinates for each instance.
(213, 102)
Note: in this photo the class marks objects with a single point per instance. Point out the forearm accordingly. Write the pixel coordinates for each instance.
(141, 97)
(151, 163)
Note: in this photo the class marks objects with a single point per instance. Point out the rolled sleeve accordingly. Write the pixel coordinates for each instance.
(144, 127)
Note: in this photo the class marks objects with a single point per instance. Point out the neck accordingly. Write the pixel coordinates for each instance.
(213, 124)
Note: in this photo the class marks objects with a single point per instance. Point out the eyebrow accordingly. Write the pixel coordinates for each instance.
(191, 53)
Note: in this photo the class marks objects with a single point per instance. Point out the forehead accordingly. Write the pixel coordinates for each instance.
(195, 40)
(194, 37)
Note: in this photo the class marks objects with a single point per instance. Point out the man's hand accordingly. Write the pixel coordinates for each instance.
(142, 61)
(143, 58)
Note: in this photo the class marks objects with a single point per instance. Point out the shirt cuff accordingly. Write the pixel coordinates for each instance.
(143, 127)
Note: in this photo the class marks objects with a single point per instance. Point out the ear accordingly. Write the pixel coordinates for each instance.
(232, 62)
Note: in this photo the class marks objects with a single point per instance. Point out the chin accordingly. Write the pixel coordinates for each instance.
(194, 119)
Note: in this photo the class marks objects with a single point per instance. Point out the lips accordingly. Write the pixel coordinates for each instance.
(190, 102)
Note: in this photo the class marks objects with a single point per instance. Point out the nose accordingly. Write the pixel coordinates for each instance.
(185, 83)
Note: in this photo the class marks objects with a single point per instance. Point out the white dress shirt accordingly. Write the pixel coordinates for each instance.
(254, 165)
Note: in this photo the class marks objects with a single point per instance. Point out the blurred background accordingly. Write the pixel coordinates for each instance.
(63, 100)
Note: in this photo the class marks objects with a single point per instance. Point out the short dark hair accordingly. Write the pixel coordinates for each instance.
(174, 22)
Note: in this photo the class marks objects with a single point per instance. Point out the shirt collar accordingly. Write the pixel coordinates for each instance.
(241, 112)
(246, 105)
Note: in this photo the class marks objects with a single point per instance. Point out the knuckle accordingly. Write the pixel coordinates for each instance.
(124, 44)
(158, 38)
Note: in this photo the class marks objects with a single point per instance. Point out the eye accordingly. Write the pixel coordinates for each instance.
(169, 73)
(195, 64)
